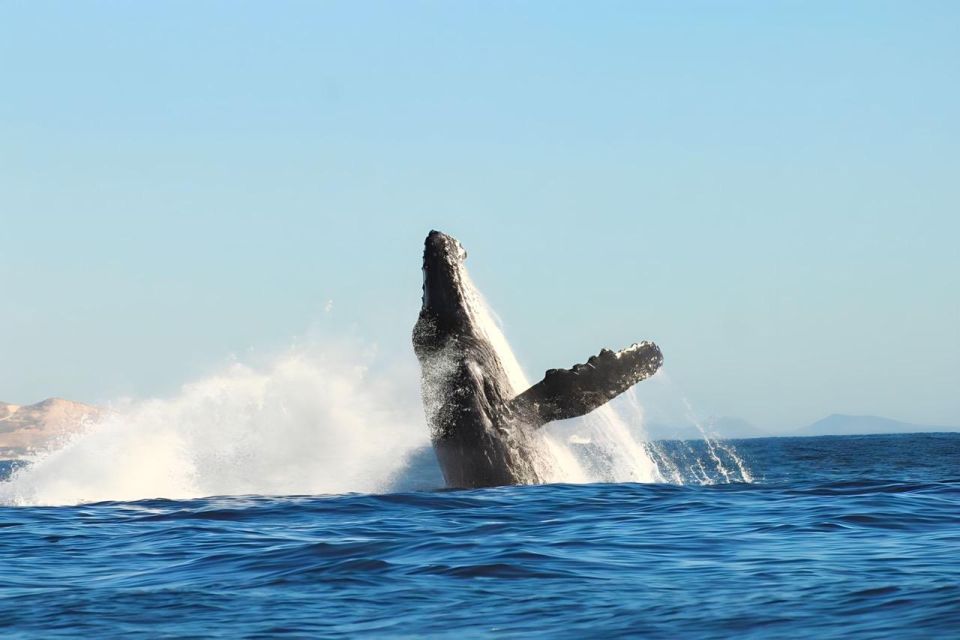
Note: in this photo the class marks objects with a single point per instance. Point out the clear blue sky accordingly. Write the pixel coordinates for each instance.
(770, 190)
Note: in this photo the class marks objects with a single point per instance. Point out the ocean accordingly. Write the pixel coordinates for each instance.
(835, 537)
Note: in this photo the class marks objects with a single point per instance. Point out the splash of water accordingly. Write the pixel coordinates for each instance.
(608, 444)
(311, 421)
(719, 451)
(322, 420)
(598, 447)
(707, 460)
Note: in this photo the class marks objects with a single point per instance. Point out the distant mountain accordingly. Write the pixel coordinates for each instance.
(844, 425)
(28, 428)
(833, 425)
(724, 428)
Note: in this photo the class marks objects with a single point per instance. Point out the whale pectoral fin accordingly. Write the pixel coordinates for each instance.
(569, 393)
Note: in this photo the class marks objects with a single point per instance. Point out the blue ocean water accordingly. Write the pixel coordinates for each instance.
(852, 537)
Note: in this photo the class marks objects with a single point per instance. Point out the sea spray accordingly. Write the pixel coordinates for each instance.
(311, 421)
(706, 460)
(718, 450)
(611, 453)
(331, 418)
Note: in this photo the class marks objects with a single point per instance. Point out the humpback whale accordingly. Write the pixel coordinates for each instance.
(482, 429)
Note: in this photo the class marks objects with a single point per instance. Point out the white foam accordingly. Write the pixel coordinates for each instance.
(311, 421)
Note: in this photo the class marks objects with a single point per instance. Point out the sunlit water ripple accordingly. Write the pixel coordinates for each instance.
(839, 537)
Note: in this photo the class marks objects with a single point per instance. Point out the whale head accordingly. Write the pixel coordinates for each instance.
(443, 258)
(445, 304)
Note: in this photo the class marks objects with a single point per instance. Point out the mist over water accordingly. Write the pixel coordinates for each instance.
(312, 421)
(330, 419)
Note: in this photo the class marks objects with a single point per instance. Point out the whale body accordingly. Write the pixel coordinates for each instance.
(482, 429)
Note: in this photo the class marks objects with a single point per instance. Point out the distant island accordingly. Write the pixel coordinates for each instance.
(844, 425)
(833, 425)
(25, 429)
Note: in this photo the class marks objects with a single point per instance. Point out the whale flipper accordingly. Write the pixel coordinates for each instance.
(570, 393)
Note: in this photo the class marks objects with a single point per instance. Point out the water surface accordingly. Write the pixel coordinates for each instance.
(838, 537)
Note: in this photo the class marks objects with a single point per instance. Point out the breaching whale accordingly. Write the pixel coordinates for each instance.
(481, 429)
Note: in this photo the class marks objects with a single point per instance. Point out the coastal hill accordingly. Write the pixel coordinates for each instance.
(832, 425)
(27, 428)
(725, 428)
(844, 425)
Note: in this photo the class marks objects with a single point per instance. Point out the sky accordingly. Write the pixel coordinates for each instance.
(770, 191)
